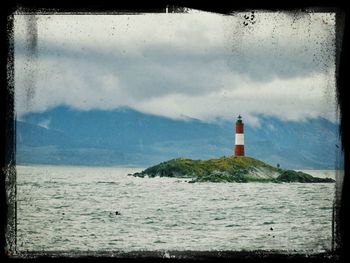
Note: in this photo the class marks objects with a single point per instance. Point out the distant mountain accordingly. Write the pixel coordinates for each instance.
(123, 136)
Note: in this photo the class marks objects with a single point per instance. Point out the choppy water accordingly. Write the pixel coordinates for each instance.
(73, 208)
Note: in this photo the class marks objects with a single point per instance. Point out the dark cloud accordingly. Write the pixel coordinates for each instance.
(193, 65)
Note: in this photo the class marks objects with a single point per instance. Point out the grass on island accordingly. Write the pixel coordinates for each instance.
(226, 169)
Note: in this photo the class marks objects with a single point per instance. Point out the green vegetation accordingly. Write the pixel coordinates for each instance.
(227, 169)
(293, 176)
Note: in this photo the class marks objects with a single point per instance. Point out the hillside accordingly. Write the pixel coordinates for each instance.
(228, 169)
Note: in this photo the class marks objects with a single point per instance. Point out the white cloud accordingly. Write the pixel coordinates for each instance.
(45, 123)
(199, 64)
(305, 99)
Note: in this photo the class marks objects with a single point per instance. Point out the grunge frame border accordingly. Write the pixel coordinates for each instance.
(8, 135)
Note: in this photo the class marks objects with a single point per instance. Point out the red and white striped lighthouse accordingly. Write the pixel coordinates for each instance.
(239, 140)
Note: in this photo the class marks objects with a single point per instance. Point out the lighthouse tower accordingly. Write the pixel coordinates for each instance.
(239, 142)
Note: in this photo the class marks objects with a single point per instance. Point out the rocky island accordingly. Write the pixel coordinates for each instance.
(239, 169)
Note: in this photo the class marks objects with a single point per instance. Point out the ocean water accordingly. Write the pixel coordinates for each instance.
(62, 208)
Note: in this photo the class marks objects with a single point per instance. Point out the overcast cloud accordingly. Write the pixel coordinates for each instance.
(199, 65)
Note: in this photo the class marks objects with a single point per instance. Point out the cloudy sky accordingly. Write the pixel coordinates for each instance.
(197, 64)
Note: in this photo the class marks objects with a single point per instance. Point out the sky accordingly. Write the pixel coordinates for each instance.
(179, 65)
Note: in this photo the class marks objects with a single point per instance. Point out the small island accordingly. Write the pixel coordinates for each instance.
(239, 169)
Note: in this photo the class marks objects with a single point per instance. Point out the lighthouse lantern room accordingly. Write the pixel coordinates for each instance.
(239, 139)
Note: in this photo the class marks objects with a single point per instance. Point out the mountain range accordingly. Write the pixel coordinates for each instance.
(67, 136)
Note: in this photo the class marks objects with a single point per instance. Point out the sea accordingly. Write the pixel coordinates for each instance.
(73, 209)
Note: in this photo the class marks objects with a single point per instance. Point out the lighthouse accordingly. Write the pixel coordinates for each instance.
(239, 139)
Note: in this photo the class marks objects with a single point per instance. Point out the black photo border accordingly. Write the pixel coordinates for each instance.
(8, 129)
